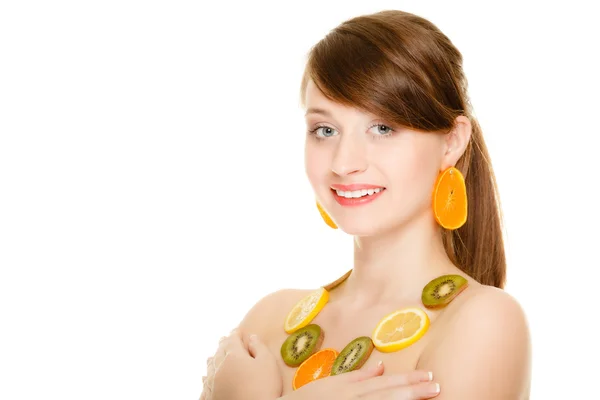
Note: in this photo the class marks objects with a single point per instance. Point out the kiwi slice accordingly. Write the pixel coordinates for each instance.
(354, 355)
(302, 344)
(337, 282)
(442, 290)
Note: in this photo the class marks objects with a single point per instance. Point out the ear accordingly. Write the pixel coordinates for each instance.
(456, 141)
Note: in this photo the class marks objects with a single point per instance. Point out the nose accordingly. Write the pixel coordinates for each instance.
(349, 157)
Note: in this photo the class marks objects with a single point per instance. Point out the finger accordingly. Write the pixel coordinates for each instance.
(257, 348)
(210, 371)
(219, 357)
(393, 381)
(220, 353)
(209, 384)
(419, 391)
(226, 338)
(234, 343)
(364, 373)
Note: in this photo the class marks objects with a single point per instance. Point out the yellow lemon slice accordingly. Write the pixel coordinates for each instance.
(400, 329)
(305, 310)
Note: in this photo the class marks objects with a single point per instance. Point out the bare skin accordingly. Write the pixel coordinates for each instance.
(478, 347)
(473, 353)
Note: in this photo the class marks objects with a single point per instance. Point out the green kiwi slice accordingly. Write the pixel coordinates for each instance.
(302, 344)
(354, 355)
(442, 290)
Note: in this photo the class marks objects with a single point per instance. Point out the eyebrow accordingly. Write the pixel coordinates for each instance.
(318, 111)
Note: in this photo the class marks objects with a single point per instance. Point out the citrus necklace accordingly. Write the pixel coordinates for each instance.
(394, 332)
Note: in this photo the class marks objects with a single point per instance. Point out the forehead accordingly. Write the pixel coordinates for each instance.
(313, 93)
(316, 101)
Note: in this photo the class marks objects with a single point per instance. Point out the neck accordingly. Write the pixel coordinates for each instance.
(397, 264)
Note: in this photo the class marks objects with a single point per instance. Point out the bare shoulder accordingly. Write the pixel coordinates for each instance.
(267, 316)
(484, 306)
(482, 348)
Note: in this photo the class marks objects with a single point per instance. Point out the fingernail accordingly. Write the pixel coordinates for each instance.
(434, 388)
(376, 367)
(422, 376)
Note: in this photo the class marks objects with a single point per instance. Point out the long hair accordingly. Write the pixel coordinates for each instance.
(402, 68)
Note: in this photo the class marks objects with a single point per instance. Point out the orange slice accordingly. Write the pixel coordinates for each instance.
(450, 199)
(315, 367)
(326, 217)
(305, 310)
(400, 329)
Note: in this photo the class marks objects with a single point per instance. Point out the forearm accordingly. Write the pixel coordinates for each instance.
(239, 391)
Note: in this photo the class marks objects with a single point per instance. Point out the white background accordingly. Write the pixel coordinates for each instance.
(152, 184)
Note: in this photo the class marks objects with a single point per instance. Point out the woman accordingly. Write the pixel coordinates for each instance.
(387, 117)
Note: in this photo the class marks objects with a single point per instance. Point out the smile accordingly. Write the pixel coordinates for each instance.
(357, 196)
(357, 193)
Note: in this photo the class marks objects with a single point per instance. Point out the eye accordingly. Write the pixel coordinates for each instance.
(382, 130)
(323, 131)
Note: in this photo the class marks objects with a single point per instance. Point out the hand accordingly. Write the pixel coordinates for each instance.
(368, 384)
(237, 371)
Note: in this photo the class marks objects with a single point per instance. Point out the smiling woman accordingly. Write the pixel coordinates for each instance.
(397, 160)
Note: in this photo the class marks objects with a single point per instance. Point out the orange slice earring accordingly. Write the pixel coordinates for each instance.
(450, 199)
(326, 217)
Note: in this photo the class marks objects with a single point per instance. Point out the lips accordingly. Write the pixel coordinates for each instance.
(355, 186)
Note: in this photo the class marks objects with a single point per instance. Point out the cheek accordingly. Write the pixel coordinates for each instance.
(315, 164)
(413, 170)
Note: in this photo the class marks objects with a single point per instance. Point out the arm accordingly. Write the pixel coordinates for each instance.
(238, 369)
(485, 352)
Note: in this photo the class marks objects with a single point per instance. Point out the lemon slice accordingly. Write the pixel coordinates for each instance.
(400, 329)
(305, 310)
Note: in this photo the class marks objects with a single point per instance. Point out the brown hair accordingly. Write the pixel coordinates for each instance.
(402, 68)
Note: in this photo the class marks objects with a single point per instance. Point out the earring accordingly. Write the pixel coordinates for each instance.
(450, 199)
(326, 217)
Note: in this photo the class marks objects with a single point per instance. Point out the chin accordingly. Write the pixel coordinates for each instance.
(374, 227)
(364, 228)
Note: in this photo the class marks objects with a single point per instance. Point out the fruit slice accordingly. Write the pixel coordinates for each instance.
(337, 282)
(305, 310)
(326, 217)
(302, 344)
(400, 329)
(450, 199)
(315, 367)
(442, 290)
(354, 355)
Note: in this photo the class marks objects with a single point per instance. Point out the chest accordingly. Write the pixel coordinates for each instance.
(342, 327)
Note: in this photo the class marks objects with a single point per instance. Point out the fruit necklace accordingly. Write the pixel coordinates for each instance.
(394, 332)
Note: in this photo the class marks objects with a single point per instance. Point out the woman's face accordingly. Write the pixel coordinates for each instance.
(369, 176)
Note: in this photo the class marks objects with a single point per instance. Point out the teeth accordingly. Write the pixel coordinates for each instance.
(357, 193)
